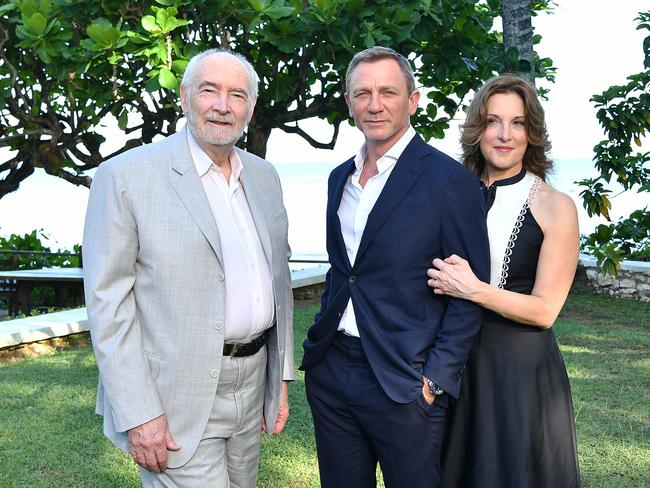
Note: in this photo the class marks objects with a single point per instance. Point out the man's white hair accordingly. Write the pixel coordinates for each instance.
(188, 76)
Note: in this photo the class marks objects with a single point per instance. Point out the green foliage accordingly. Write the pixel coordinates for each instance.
(34, 242)
(624, 114)
(627, 239)
(68, 66)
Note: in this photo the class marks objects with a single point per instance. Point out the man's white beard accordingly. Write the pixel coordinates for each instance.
(217, 136)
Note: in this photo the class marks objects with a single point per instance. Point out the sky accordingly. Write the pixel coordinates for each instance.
(593, 43)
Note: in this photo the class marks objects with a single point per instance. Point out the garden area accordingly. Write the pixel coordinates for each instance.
(51, 437)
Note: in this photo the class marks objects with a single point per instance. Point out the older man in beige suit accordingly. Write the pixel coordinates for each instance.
(189, 292)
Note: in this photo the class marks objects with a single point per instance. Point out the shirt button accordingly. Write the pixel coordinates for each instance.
(257, 299)
(352, 279)
(221, 277)
(214, 372)
(218, 325)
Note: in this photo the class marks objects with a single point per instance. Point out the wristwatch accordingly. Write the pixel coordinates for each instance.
(433, 388)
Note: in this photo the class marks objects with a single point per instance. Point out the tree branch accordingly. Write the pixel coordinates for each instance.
(295, 129)
(19, 170)
(44, 132)
(318, 108)
(74, 179)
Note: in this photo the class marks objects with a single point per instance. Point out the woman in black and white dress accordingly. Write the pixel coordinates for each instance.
(513, 425)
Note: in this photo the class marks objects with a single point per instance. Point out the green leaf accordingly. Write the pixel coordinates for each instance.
(7, 8)
(167, 79)
(35, 24)
(149, 24)
(277, 11)
(53, 25)
(179, 66)
(152, 85)
(123, 120)
(115, 58)
(162, 18)
(89, 44)
(27, 35)
(104, 36)
(29, 8)
(259, 5)
(43, 53)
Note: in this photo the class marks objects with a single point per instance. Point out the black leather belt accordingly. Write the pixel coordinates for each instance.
(241, 350)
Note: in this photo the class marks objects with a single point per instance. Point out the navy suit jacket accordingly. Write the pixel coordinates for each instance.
(431, 207)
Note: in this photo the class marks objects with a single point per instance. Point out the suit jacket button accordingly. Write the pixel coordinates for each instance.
(218, 325)
(352, 279)
(214, 372)
(220, 277)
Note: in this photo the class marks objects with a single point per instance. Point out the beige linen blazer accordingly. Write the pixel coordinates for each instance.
(155, 289)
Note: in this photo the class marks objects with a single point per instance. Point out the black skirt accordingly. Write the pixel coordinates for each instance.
(513, 425)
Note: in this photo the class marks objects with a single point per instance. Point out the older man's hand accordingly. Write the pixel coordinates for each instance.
(150, 442)
(283, 412)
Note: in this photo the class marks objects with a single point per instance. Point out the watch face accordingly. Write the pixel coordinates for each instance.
(435, 389)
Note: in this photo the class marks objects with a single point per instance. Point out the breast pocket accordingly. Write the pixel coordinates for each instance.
(406, 209)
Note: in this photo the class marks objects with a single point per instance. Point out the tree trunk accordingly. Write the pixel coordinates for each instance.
(256, 140)
(518, 34)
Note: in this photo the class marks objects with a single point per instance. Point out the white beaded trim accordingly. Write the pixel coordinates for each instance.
(515, 231)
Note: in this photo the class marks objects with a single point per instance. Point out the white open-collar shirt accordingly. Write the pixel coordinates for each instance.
(249, 289)
(356, 204)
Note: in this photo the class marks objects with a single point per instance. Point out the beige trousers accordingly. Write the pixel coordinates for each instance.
(228, 453)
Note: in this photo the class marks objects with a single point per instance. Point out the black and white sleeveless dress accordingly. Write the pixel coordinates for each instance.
(513, 425)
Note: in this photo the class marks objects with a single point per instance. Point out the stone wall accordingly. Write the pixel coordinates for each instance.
(632, 281)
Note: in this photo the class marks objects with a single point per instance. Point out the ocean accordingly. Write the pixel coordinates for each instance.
(49, 203)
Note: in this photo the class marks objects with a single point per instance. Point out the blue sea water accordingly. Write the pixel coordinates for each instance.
(49, 203)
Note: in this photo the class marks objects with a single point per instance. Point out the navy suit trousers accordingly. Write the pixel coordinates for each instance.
(358, 425)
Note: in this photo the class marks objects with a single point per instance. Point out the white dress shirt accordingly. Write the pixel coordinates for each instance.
(356, 204)
(249, 289)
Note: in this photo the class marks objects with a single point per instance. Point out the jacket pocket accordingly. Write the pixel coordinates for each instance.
(154, 364)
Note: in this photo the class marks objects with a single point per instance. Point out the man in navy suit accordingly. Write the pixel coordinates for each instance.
(384, 352)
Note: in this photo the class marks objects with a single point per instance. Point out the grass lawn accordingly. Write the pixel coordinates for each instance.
(50, 436)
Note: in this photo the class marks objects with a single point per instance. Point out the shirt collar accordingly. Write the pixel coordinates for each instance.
(391, 156)
(203, 162)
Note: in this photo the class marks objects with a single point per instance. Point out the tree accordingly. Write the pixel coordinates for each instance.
(519, 40)
(624, 114)
(67, 67)
(518, 35)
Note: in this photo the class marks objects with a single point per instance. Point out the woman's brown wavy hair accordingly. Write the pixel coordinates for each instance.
(535, 158)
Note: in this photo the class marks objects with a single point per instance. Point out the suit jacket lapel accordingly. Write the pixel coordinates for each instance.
(256, 205)
(334, 197)
(406, 172)
(185, 181)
